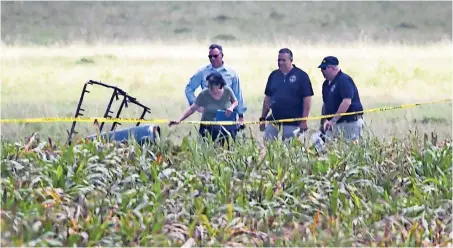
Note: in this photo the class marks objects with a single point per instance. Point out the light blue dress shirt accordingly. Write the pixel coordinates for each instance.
(229, 75)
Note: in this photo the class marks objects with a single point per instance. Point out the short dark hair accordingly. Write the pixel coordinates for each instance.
(215, 78)
(214, 46)
(288, 51)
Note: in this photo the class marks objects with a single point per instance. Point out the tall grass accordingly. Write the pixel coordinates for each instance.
(393, 192)
(392, 189)
(244, 22)
(51, 84)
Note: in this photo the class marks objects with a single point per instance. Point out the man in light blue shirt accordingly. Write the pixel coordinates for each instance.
(229, 74)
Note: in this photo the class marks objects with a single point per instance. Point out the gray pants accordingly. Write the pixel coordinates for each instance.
(347, 130)
(271, 131)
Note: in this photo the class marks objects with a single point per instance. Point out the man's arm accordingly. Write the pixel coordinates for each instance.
(307, 107)
(267, 97)
(323, 112)
(192, 85)
(236, 87)
(346, 92)
(344, 105)
(266, 106)
(307, 93)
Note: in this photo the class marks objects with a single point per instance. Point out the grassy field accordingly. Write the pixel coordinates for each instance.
(392, 189)
(227, 21)
(47, 82)
(394, 56)
(392, 193)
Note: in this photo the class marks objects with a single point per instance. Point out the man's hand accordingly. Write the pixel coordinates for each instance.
(328, 125)
(303, 126)
(200, 109)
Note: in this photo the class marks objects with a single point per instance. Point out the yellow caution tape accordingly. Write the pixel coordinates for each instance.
(164, 121)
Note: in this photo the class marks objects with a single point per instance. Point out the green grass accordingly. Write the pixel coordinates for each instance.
(50, 86)
(394, 192)
(241, 22)
(392, 189)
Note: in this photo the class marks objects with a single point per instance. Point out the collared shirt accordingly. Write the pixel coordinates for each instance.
(229, 75)
(333, 93)
(287, 93)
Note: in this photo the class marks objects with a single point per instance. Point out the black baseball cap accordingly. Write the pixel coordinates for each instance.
(329, 60)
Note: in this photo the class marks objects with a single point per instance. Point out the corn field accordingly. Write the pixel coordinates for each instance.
(394, 192)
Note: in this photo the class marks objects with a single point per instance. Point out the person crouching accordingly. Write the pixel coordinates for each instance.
(216, 97)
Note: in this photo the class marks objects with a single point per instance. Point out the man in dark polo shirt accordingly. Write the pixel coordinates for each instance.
(340, 95)
(288, 95)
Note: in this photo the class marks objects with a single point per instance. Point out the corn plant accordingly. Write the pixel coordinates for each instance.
(378, 192)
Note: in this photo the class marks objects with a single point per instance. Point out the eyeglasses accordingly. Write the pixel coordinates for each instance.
(215, 56)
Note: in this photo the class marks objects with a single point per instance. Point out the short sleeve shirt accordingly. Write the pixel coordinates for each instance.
(287, 93)
(211, 105)
(342, 86)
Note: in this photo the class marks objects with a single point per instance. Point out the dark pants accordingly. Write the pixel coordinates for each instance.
(218, 133)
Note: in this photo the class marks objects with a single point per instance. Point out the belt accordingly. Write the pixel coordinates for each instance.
(350, 118)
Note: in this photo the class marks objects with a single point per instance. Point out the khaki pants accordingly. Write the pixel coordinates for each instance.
(348, 130)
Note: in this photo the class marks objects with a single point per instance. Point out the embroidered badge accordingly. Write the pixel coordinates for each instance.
(333, 88)
(292, 79)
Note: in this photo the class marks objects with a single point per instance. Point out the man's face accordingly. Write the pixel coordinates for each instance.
(215, 56)
(327, 72)
(284, 61)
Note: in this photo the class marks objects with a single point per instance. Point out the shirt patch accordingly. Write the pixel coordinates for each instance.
(333, 88)
(292, 79)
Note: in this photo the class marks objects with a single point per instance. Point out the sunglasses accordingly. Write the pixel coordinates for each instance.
(215, 56)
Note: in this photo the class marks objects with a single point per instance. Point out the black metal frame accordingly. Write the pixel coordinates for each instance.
(115, 95)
